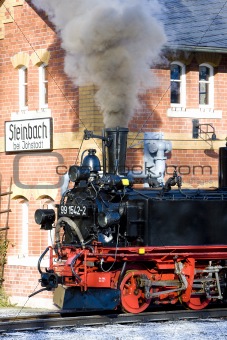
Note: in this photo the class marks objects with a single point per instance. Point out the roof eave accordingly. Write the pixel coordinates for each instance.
(192, 48)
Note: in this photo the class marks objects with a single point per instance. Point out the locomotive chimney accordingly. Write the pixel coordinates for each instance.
(117, 147)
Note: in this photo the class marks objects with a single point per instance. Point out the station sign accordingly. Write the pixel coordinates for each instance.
(28, 135)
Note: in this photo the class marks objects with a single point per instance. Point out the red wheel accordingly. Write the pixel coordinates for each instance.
(197, 302)
(132, 296)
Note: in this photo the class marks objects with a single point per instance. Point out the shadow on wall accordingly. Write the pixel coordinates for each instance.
(145, 119)
(211, 153)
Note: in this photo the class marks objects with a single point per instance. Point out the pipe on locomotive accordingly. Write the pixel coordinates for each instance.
(222, 167)
(116, 149)
(115, 140)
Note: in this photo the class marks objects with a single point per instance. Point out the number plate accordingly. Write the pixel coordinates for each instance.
(73, 210)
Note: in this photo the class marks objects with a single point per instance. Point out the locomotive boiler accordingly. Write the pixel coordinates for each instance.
(120, 247)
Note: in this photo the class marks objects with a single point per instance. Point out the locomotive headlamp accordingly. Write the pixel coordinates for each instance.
(45, 217)
(108, 218)
(78, 173)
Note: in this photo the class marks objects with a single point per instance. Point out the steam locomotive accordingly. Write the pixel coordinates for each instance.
(117, 247)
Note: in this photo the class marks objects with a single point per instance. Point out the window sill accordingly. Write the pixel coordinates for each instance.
(35, 114)
(25, 261)
(182, 112)
(43, 107)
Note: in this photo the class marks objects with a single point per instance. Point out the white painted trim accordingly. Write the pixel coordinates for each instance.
(35, 302)
(211, 87)
(194, 113)
(35, 114)
(22, 87)
(26, 261)
(42, 81)
(24, 245)
(51, 233)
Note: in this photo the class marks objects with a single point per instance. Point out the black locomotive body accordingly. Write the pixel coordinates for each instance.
(118, 246)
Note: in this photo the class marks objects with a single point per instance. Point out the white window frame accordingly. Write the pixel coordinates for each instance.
(182, 81)
(211, 87)
(24, 245)
(42, 86)
(51, 233)
(23, 88)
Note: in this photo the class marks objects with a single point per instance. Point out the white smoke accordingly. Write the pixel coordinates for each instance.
(112, 44)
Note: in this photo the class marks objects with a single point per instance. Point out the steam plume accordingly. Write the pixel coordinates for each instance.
(111, 43)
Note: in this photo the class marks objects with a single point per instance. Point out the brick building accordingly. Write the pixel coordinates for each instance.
(37, 97)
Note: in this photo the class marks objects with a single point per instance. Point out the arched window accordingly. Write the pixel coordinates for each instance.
(206, 85)
(178, 84)
(23, 88)
(43, 86)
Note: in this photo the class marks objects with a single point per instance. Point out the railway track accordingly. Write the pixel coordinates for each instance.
(59, 320)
